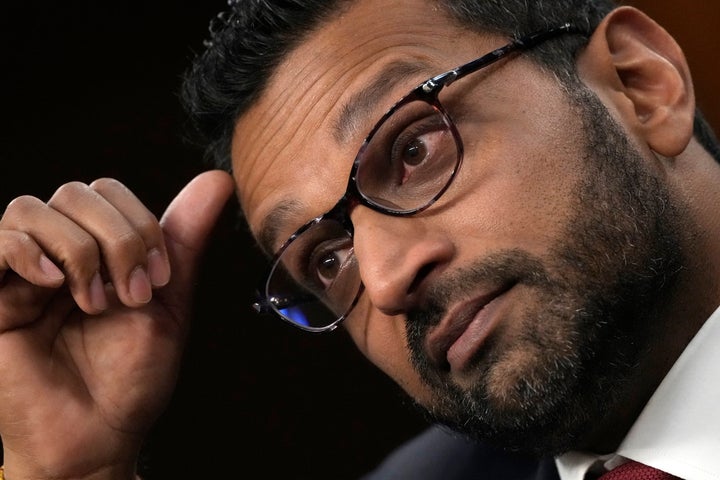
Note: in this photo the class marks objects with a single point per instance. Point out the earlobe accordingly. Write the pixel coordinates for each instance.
(641, 67)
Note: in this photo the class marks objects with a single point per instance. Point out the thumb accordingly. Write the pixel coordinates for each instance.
(188, 222)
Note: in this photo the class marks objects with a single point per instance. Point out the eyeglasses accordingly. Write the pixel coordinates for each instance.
(405, 164)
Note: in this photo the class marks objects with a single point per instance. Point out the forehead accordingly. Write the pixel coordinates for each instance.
(289, 154)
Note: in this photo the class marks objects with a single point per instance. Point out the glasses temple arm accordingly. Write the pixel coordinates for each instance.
(522, 43)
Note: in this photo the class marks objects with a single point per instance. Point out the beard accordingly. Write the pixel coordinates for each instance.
(593, 303)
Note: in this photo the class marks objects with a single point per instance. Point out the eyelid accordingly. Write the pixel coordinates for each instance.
(311, 251)
(419, 128)
(325, 247)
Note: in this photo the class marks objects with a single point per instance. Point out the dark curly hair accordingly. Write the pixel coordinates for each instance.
(249, 40)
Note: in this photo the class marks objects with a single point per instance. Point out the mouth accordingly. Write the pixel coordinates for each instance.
(464, 329)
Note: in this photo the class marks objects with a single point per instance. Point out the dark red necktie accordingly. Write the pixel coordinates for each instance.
(636, 471)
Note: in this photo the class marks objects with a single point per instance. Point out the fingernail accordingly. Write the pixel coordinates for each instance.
(98, 299)
(158, 269)
(50, 269)
(140, 288)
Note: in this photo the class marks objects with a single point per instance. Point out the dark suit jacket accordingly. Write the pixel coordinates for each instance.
(438, 454)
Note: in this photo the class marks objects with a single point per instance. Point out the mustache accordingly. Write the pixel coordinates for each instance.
(502, 268)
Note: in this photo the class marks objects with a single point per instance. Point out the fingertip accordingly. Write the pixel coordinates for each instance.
(158, 268)
(50, 270)
(98, 297)
(192, 213)
(140, 287)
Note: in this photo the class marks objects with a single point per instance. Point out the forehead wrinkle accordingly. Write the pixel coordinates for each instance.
(304, 99)
(361, 105)
(275, 134)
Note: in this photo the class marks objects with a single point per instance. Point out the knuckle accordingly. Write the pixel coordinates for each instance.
(20, 207)
(106, 184)
(15, 245)
(122, 243)
(81, 250)
(20, 250)
(20, 242)
(149, 227)
(68, 192)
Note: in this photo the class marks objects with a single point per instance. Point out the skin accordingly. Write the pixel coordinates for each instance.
(84, 379)
(107, 351)
(526, 163)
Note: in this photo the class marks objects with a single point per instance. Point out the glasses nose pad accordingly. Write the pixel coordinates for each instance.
(261, 305)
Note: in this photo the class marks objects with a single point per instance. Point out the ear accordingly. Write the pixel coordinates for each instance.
(634, 63)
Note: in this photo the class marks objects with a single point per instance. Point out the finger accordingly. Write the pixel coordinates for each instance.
(21, 253)
(144, 222)
(188, 222)
(65, 243)
(27, 277)
(22, 304)
(123, 229)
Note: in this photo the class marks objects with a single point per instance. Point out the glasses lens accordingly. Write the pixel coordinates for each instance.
(316, 280)
(410, 159)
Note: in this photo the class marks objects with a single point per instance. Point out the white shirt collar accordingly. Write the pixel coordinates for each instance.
(678, 431)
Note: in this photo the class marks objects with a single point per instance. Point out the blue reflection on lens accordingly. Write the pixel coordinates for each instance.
(296, 315)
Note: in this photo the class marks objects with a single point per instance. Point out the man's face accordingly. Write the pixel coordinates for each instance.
(507, 305)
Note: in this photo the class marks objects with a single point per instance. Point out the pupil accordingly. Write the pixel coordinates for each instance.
(414, 153)
(328, 267)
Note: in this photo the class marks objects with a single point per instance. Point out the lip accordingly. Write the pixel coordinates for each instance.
(463, 331)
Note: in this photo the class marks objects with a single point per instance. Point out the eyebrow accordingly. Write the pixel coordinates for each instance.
(273, 223)
(362, 104)
(352, 118)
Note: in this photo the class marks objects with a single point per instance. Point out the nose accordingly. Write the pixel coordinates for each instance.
(398, 257)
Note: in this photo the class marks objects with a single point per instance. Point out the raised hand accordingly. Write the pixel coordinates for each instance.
(94, 306)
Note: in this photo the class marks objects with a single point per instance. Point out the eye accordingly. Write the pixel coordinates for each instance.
(414, 152)
(326, 263)
(409, 158)
(416, 147)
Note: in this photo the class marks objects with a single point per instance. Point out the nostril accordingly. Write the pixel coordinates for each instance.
(421, 274)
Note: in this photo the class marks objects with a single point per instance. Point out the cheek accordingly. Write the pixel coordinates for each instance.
(382, 340)
(519, 173)
(520, 195)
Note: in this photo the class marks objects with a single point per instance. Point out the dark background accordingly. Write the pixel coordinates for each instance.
(89, 90)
